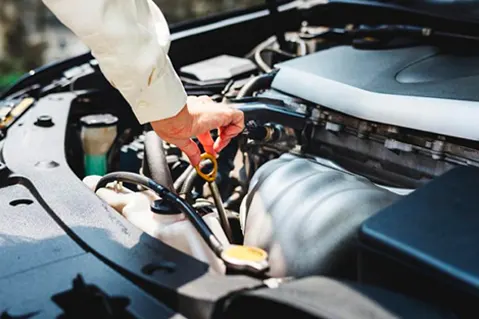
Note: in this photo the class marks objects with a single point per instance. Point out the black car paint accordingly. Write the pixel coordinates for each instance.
(35, 159)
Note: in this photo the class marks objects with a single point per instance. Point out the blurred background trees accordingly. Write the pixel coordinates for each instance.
(31, 36)
(180, 10)
(18, 51)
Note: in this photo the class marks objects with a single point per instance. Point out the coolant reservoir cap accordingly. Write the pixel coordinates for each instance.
(99, 120)
(245, 257)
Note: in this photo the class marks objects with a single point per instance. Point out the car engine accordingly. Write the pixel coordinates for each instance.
(335, 132)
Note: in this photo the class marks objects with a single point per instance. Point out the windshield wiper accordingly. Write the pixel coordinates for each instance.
(388, 31)
(406, 30)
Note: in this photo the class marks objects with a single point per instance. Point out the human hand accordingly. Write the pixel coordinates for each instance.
(199, 116)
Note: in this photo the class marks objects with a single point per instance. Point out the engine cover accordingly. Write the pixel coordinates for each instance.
(306, 214)
(421, 88)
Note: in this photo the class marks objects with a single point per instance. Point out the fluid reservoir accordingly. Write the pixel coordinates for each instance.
(98, 133)
(146, 211)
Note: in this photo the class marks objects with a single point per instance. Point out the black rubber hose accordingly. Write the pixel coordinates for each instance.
(155, 165)
(181, 180)
(198, 222)
(260, 82)
(263, 112)
(189, 183)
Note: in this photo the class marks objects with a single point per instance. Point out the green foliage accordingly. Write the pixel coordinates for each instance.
(19, 54)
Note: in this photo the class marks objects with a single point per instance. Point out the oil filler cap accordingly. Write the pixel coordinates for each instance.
(245, 258)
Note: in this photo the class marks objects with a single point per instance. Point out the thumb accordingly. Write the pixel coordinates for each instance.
(190, 149)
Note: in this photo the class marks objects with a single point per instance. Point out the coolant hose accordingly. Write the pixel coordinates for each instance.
(169, 196)
(189, 183)
(155, 165)
(260, 82)
(181, 180)
(260, 109)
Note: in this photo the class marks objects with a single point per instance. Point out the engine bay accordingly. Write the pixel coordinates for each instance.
(372, 119)
(343, 125)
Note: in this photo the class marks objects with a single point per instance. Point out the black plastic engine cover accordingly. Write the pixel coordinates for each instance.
(422, 88)
(424, 71)
(325, 298)
(426, 244)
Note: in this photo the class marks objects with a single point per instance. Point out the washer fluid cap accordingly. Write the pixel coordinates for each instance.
(99, 120)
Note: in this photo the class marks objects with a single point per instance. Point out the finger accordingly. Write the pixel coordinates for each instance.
(238, 122)
(191, 99)
(226, 134)
(190, 149)
(207, 141)
(221, 143)
(204, 98)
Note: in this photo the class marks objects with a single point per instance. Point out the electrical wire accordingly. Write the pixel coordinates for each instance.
(281, 52)
(268, 42)
(258, 58)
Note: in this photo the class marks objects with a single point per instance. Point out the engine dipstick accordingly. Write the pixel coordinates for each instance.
(210, 178)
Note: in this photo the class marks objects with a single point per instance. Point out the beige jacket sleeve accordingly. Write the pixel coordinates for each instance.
(130, 40)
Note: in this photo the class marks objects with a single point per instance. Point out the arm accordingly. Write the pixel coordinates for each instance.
(130, 40)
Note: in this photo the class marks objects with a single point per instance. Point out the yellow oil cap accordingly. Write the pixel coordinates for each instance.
(245, 253)
(241, 257)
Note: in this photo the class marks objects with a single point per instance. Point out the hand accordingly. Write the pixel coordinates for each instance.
(199, 116)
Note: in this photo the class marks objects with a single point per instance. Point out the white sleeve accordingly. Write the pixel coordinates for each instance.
(130, 40)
